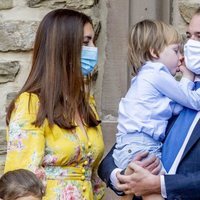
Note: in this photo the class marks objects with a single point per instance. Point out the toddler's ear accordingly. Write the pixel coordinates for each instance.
(154, 53)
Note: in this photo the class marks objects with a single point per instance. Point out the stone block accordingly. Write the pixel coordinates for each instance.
(53, 4)
(2, 149)
(80, 4)
(97, 27)
(32, 3)
(187, 10)
(17, 35)
(2, 163)
(8, 71)
(10, 97)
(2, 141)
(6, 4)
(77, 4)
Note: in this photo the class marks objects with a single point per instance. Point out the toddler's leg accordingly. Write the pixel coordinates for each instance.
(153, 197)
(128, 171)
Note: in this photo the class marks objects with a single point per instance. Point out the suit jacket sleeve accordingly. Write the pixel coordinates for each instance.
(106, 167)
(180, 186)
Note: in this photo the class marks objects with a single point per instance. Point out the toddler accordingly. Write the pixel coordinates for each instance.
(20, 184)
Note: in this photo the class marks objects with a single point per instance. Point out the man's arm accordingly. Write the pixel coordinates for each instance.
(141, 182)
(106, 167)
(151, 163)
(178, 186)
(183, 186)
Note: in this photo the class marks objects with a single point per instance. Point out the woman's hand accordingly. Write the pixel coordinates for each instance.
(140, 183)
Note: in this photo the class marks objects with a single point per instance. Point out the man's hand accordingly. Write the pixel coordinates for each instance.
(149, 162)
(140, 183)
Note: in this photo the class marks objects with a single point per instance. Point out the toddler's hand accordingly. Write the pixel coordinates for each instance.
(187, 73)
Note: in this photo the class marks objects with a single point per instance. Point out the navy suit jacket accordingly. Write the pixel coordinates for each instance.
(185, 184)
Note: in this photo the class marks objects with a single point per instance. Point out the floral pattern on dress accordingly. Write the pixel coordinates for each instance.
(70, 192)
(16, 137)
(61, 159)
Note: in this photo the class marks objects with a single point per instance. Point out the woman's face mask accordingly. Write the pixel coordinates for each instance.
(88, 59)
(192, 56)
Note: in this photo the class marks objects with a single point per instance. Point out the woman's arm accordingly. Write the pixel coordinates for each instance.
(25, 142)
(98, 185)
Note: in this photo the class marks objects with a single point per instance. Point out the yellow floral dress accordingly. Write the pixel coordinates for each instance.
(66, 161)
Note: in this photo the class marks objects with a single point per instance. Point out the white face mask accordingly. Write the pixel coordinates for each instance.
(192, 56)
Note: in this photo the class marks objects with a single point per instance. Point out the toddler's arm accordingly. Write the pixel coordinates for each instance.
(180, 92)
(187, 73)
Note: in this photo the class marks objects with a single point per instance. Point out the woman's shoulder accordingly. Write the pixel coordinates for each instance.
(27, 95)
(92, 100)
(27, 101)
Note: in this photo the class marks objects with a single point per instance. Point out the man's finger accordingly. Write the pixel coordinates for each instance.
(156, 170)
(135, 167)
(154, 164)
(140, 156)
(122, 178)
(148, 161)
(122, 186)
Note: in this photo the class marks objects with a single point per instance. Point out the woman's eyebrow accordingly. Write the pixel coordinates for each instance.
(88, 37)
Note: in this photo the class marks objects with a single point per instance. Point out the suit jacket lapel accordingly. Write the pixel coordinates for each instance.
(193, 139)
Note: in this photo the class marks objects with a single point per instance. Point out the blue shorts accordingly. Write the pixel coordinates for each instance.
(130, 144)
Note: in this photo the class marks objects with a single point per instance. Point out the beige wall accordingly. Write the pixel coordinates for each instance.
(19, 20)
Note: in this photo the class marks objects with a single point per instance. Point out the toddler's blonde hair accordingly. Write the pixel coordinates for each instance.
(149, 35)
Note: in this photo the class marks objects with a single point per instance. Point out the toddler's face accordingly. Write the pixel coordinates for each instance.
(171, 58)
(28, 198)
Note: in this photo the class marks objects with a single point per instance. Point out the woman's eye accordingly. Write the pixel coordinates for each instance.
(85, 43)
(188, 36)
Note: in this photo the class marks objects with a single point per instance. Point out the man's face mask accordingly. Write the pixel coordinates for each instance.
(88, 59)
(192, 56)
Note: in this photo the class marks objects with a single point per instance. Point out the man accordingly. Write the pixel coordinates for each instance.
(184, 181)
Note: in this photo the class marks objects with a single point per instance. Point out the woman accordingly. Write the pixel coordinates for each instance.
(53, 127)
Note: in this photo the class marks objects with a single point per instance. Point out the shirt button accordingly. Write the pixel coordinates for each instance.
(89, 144)
(129, 151)
(85, 163)
(84, 188)
(89, 154)
(83, 171)
(82, 178)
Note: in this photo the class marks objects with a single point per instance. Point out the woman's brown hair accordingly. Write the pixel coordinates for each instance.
(55, 75)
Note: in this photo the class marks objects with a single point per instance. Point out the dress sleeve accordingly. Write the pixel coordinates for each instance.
(25, 141)
(98, 185)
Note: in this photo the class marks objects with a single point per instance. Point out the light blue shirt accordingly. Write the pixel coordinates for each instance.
(154, 95)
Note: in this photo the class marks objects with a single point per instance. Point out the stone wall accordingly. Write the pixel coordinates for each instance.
(19, 20)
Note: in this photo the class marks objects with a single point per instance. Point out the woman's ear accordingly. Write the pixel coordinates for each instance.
(154, 53)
